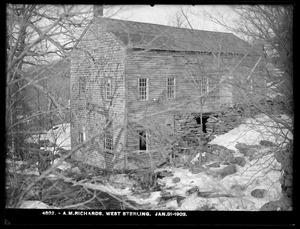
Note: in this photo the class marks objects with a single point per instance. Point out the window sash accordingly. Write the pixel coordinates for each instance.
(170, 88)
(143, 89)
(81, 86)
(204, 85)
(108, 140)
(251, 85)
(108, 137)
(81, 137)
(108, 89)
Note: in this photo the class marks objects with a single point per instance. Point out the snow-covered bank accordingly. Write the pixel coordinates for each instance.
(58, 135)
(255, 130)
(232, 193)
(252, 184)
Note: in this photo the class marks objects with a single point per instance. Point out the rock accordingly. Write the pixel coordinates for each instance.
(210, 157)
(185, 159)
(289, 192)
(192, 190)
(239, 161)
(165, 193)
(258, 193)
(222, 155)
(214, 165)
(216, 153)
(197, 169)
(288, 181)
(242, 146)
(121, 181)
(230, 169)
(171, 201)
(283, 204)
(285, 158)
(75, 170)
(144, 195)
(205, 194)
(180, 200)
(245, 149)
(165, 173)
(267, 143)
(175, 179)
(172, 204)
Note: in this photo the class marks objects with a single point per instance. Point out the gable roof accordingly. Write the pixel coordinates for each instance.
(139, 35)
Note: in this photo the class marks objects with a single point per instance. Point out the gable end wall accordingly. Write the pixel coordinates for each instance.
(98, 56)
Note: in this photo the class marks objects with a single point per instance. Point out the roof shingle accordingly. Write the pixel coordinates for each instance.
(161, 37)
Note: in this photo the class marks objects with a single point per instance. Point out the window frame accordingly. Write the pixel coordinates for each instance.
(108, 138)
(203, 85)
(108, 81)
(81, 86)
(251, 85)
(108, 141)
(145, 89)
(170, 87)
(82, 136)
(143, 138)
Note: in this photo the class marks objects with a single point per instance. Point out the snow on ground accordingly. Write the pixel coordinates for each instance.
(35, 138)
(31, 204)
(255, 130)
(58, 135)
(262, 172)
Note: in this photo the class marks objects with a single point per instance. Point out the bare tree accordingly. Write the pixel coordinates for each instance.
(37, 38)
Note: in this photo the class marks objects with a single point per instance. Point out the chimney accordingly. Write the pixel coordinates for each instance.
(97, 11)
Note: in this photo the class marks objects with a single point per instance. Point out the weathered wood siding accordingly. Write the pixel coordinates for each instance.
(157, 66)
(241, 78)
(98, 56)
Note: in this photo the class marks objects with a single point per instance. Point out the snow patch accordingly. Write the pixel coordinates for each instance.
(255, 130)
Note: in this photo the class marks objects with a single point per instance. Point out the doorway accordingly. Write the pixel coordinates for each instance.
(203, 121)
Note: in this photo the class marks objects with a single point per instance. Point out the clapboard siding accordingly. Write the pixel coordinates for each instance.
(99, 55)
(107, 50)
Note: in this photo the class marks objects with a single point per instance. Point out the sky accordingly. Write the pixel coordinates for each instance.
(162, 14)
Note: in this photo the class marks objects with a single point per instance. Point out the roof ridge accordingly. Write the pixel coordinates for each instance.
(155, 36)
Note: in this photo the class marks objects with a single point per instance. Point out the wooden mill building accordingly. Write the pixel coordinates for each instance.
(134, 78)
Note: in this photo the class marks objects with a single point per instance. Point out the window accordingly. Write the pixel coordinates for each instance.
(108, 89)
(108, 138)
(82, 136)
(143, 89)
(250, 83)
(203, 85)
(81, 86)
(143, 140)
(170, 88)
